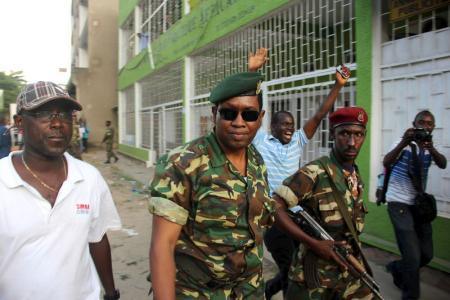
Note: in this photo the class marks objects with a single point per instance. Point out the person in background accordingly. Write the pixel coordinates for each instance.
(414, 238)
(282, 150)
(108, 139)
(54, 210)
(84, 130)
(5, 137)
(74, 146)
(19, 131)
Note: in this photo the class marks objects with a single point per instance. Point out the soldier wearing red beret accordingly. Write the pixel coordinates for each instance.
(330, 189)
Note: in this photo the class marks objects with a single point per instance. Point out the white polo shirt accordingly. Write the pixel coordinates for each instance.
(44, 251)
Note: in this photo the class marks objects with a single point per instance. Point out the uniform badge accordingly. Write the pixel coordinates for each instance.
(258, 87)
(360, 117)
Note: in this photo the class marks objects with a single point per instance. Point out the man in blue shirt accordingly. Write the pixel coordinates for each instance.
(414, 238)
(281, 151)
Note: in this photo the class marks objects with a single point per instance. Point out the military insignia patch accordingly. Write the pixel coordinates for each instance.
(360, 117)
(258, 87)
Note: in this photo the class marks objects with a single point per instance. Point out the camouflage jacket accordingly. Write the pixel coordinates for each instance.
(223, 214)
(310, 187)
(109, 135)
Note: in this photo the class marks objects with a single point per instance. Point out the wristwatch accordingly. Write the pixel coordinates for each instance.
(115, 296)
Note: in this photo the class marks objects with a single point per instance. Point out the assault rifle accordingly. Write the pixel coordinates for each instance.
(306, 222)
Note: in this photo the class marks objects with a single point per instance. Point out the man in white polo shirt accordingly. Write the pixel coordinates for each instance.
(281, 151)
(54, 209)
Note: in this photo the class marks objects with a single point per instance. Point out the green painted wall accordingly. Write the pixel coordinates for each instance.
(126, 8)
(211, 20)
(138, 153)
(363, 14)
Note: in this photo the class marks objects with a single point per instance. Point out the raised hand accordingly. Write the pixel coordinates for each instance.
(257, 60)
(342, 75)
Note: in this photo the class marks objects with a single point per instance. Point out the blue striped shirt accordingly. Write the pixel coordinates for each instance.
(281, 160)
(400, 187)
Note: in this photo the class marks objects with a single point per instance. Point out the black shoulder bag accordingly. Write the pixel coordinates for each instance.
(424, 210)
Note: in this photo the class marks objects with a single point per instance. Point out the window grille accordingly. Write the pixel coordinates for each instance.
(420, 23)
(162, 92)
(128, 29)
(162, 86)
(305, 37)
(158, 16)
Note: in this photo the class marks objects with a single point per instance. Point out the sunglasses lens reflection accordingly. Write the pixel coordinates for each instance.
(228, 114)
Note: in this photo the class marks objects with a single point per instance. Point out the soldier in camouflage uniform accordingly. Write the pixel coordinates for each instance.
(316, 272)
(74, 146)
(108, 139)
(210, 203)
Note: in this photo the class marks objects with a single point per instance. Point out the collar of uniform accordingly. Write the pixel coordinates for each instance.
(12, 179)
(218, 158)
(341, 169)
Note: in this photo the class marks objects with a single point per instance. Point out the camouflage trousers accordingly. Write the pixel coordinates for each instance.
(109, 152)
(344, 290)
(187, 288)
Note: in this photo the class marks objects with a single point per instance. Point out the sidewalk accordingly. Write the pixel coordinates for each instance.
(131, 261)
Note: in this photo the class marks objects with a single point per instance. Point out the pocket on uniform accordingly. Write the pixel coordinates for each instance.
(214, 214)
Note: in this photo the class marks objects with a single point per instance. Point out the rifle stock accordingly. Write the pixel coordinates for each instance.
(355, 268)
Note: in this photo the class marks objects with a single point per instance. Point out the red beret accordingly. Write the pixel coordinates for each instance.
(348, 116)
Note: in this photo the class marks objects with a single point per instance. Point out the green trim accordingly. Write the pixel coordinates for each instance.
(138, 153)
(137, 68)
(126, 8)
(211, 20)
(378, 232)
(363, 15)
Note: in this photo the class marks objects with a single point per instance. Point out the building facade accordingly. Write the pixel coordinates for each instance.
(94, 62)
(173, 52)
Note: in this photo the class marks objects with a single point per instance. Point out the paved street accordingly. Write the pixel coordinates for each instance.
(128, 178)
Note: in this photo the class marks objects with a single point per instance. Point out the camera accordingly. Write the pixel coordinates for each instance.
(422, 135)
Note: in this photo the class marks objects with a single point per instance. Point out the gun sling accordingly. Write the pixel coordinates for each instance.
(344, 212)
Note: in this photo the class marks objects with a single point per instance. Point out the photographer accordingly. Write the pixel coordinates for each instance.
(414, 238)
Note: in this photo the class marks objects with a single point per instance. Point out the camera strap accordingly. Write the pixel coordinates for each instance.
(416, 177)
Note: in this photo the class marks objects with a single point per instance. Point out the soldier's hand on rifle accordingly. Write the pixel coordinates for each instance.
(342, 75)
(326, 250)
(257, 60)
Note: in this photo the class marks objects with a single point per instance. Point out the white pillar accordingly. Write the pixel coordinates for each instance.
(186, 7)
(188, 94)
(376, 125)
(137, 114)
(137, 28)
(264, 90)
(120, 111)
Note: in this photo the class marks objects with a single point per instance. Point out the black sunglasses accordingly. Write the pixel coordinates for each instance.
(229, 114)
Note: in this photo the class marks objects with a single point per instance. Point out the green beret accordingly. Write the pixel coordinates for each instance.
(236, 85)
